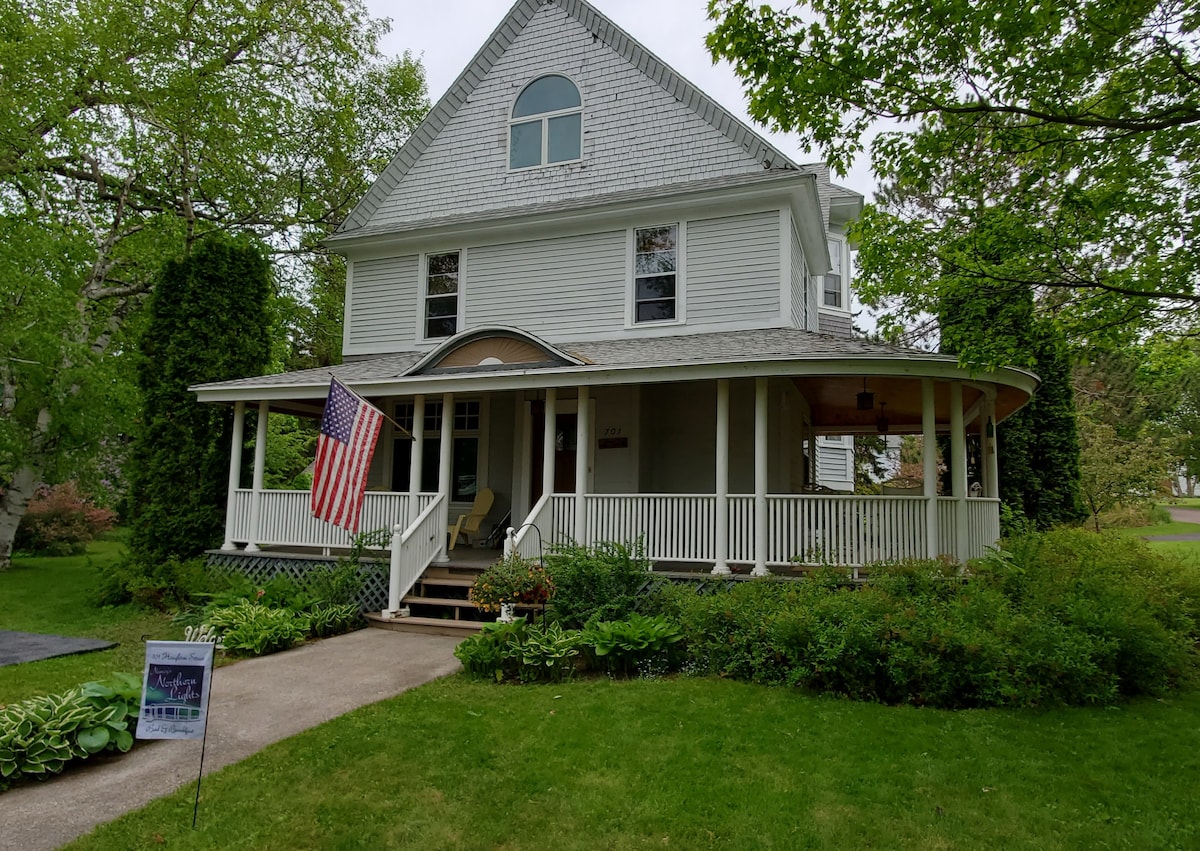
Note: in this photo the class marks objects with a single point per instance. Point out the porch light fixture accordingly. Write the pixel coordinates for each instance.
(866, 399)
(882, 422)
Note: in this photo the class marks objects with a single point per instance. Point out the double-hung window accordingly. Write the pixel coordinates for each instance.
(441, 294)
(464, 452)
(546, 125)
(834, 295)
(655, 273)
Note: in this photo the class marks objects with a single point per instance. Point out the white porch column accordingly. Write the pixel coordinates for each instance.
(929, 460)
(260, 463)
(991, 458)
(550, 435)
(760, 478)
(583, 443)
(235, 472)
(445, 459)
(958, 469)
(721, 555)
(393, 606)
(417, 449)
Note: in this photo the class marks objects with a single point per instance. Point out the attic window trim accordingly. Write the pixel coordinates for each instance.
(543, 121)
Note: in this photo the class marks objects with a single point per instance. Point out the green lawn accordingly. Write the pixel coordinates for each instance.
(52, 595)
(696, 763)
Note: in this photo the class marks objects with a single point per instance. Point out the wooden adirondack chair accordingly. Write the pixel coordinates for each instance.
(468, 524)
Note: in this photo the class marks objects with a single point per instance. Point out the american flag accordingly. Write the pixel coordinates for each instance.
(349, 430)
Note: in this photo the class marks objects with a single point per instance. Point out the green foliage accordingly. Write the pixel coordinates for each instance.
(291, 446)
(512, 580)
(638, 645)
(39, 736)
(1065, 617)
(208, 322)
(519, 651)
(602, 582)
(1116, 472)
(325, 620)
(164, 584)
(61, 521)
(251, 629)
(1045, 144)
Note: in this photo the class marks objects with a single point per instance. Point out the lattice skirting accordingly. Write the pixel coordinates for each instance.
(261, 567)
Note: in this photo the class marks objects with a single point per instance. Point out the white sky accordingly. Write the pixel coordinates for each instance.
(445, 34)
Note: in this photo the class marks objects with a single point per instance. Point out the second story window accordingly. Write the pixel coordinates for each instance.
(441, 294)
(833, 294)
(655, 273)
(547, 124)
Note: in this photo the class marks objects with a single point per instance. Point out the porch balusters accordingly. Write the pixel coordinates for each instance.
(929, 461)
(721, 549)
(958, 470)
(260, 463)
(445, 459)
(235, 472)
(760, 478)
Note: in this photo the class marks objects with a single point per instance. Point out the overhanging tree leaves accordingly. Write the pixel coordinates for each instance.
(1047, 144)
(127, 131)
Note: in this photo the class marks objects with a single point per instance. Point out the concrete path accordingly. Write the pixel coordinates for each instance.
(254, 703)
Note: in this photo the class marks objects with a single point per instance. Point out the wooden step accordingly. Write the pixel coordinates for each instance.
(448, 581)
(412, 599)
(428, 626)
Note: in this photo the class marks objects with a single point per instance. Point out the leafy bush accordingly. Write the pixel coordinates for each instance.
(160, 585)
(519, 651)
(596, 583)
(638, 645)
(514, 580)
(60, 521)
(250, 629)
(1065, 617)
(325, 620)
(39, 736)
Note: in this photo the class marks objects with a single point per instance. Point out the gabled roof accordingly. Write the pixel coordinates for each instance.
(603, 30)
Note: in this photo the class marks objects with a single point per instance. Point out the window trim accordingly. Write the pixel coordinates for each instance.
(544, 119)
(844, 260)
(460, 295)
(481, 434)
(631, 276)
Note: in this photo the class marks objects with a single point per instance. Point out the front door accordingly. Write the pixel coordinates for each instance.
(565, 442)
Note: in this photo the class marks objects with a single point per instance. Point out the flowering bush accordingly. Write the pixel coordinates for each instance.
(60, 521)
(513, 580)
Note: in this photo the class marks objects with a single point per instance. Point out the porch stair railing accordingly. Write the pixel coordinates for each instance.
(414, 548)
(539, 528)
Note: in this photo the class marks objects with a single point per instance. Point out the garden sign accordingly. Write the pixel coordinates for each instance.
(175, 690)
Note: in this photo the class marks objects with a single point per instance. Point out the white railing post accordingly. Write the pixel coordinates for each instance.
(721, 521)
(583, 444)
(929, 462)
(235, 471)
(958, 470)
(760, 478)
(446, 458)
(417, 450)
(393, 608)
(260, 463)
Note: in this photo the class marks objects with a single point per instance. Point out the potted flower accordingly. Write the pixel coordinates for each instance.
(509, 583)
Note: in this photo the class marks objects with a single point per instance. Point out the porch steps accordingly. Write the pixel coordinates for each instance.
(438, 602)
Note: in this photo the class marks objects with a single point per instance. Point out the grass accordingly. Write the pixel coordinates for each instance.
(1186, 502)
(51, 595)
(695, 763)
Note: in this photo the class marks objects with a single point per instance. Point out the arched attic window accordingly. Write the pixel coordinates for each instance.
(546, 125)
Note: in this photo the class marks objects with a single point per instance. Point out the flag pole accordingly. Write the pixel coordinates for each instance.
(405, 432)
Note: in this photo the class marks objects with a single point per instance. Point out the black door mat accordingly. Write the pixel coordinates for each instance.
(16, 647)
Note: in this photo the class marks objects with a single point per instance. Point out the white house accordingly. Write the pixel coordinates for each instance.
(586, 286)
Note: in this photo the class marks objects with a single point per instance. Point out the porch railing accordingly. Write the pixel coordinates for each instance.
(287, 520)
(415, 547)
(537, 530)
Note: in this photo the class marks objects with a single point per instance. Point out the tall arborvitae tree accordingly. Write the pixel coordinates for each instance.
(1039, 445)
(208, 322)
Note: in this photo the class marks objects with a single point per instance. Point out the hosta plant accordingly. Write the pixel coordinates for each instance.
(628, 646)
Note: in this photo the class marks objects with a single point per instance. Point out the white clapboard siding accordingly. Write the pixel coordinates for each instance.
(560, 286)
(382, 303)
(733, 269)
(801, 307)
(835, 464)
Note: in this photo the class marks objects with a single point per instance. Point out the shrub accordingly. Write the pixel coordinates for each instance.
(160, 585)
(39, 736)
(250, 629)
(596, 583)
(514, 580)
(640, 645)
(61, 521)
(519, 651)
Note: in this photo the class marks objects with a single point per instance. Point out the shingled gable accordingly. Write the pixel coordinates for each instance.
(644, 125)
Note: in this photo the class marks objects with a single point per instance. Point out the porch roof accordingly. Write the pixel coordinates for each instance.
(828, 370)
